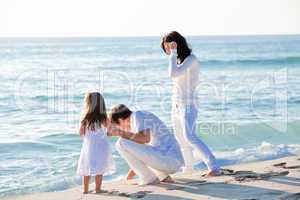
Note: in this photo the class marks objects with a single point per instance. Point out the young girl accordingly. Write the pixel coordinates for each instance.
(95, 157)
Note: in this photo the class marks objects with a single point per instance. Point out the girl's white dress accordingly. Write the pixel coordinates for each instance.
(96, 156)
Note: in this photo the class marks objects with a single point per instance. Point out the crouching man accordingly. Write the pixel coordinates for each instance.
(145, 142)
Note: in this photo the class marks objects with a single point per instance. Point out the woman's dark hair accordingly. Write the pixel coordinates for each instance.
(94, 112)
(119, 112)
(183, 49)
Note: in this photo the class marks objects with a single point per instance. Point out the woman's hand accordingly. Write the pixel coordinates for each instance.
(172, 45)
(169, 46)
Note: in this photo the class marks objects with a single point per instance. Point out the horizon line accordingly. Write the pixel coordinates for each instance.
(132, 36)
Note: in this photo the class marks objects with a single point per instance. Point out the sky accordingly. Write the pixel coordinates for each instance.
(63, 18)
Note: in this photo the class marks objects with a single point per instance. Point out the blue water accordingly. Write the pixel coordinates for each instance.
(249, 99)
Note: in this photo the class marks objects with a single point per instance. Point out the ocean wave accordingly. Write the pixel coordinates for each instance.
(228, 136)
(59, 170)
(294, 100)
(264, 151)
(254, 61)
(25, 146)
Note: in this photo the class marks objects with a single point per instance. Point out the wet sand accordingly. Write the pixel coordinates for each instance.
(273, 179)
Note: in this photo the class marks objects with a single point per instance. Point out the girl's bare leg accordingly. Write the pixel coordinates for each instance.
(98, 183)
(86, 182)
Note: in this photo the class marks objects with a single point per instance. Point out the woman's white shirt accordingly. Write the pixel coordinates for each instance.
(185, 78)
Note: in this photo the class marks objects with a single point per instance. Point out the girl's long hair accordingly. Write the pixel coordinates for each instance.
(183, 49)
(94, 113)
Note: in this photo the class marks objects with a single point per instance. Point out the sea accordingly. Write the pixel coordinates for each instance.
(248, 100)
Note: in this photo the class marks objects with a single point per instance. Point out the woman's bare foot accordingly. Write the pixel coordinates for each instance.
(212, 173)
(168, 179)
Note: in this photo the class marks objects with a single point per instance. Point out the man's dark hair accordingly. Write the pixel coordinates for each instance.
(119, 112)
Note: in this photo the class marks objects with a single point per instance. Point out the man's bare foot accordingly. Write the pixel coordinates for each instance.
(168, 179)
(131, 174)
(132, 183)
(154, 182)
(85, 192)
(130, 177)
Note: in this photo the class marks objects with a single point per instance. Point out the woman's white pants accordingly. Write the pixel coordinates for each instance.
(184, 121)
(146, 161)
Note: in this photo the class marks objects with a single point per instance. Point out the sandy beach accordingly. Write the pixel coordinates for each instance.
(272, 179)
(144, 89)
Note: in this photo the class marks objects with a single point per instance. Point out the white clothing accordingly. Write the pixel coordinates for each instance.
(96, 156)
(185, 77)
(184, 119)
(161, 138)
(147, 161)
(157, 159)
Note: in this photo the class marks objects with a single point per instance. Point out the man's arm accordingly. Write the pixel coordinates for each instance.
(141, 137)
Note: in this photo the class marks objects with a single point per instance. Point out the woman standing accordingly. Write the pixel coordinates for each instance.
(184, 71)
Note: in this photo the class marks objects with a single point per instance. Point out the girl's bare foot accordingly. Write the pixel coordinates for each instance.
(98, 183)
(97, 191)
(168, 179)
(86, 180)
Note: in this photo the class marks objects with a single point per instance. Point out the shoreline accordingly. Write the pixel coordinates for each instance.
(271, 179)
